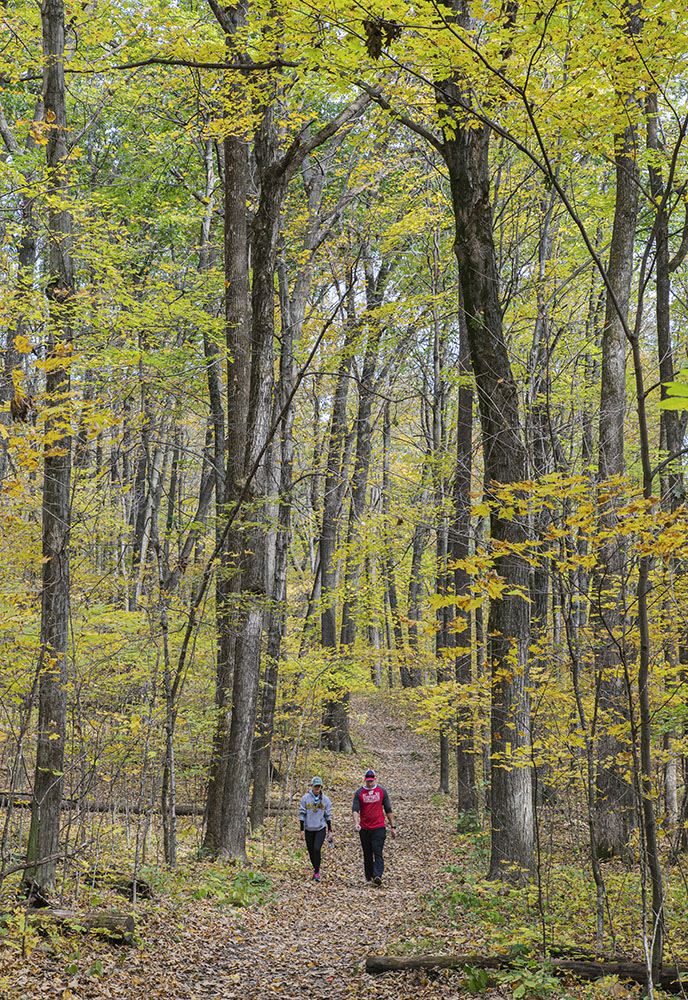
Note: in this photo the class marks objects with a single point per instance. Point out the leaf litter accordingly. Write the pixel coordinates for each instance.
(307, 940)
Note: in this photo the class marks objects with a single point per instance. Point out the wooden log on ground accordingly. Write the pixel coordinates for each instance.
(22, 800)
(115, 927)
(120, 882)
(393, 963)
(671, 979)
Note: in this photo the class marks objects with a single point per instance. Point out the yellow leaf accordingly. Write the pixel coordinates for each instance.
(481, 509)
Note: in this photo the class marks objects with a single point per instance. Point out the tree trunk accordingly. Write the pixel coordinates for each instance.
(53, 656)
(437, 443)
(387, 555)
(233, 447)
(339, 737)
(254, 584)
(466, 155)
(615, 814)
(421, 535)
(459, 544)
(26, 263)
(292, 315)
(334, 477)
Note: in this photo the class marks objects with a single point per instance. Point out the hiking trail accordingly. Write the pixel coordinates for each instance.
(309, 940)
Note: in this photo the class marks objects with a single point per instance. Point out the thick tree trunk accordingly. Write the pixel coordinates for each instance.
(254, 583)
(292, 315)
(466, 156)
(232, 448)
(52, 709)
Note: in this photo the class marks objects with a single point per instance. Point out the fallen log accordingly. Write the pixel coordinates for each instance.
(391, 963)
(671, 978)
(23, 800)
(115, 927)
(120, 882)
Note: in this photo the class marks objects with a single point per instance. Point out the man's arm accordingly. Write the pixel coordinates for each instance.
(387, 806)
(356, 811)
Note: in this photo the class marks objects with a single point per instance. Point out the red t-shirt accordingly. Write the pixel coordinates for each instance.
(372, 804)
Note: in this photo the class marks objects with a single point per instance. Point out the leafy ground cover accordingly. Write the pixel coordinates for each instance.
(215, 932)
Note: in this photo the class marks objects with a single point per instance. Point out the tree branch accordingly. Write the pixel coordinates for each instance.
(192, 64)
(300, 147)
(386, 105)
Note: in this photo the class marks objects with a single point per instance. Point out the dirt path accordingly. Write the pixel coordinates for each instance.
(310, 941)
(313, 940)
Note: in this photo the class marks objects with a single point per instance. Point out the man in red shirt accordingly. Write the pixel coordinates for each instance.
(371, 805)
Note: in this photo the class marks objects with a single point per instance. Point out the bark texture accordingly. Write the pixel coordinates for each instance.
(466, 155)
(53, 663)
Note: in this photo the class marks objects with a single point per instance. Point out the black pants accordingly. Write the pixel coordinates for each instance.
(314, 841)
(373, 842)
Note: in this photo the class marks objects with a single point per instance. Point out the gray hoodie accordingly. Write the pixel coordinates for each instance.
(315, 813)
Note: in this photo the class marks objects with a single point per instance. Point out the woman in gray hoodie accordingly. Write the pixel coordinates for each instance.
(315, 811)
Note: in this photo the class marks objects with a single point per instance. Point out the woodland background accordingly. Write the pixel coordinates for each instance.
(342, 351)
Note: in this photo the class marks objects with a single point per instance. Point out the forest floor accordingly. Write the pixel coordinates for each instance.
(305, 940)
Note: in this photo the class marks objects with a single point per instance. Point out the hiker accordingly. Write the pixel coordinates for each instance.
(315, 811)
(371, 805)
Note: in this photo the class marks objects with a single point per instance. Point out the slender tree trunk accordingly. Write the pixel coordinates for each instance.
(459, 544)
(673, 490)
(26, 263)
(334, 477)
(421, 536)
(443, 582)
(388, 556)
(339, 737)
(614, 810)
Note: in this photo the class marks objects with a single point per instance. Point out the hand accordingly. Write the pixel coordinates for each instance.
(330, 838)
(393, 831)
(303, 835)
(357, 827)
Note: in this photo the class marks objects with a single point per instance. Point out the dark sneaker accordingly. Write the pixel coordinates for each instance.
(377, 880)
(316, 877)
